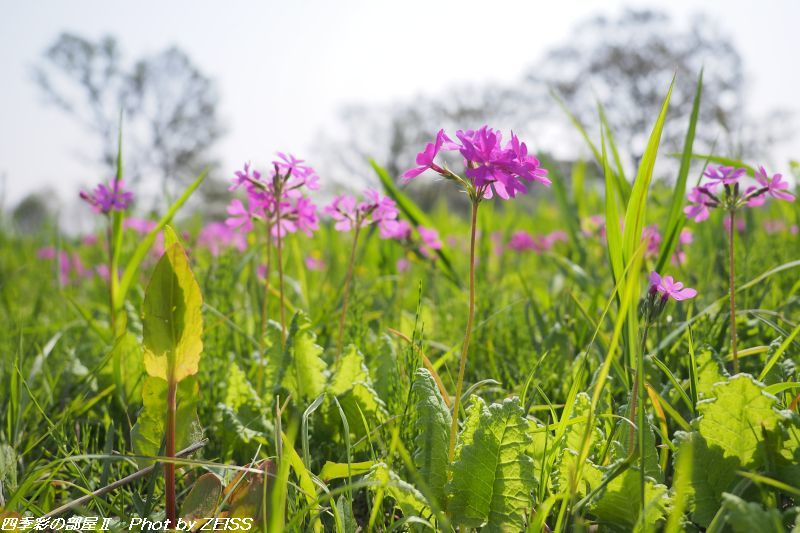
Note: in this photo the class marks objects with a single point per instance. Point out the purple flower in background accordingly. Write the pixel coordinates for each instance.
(301, 175)
(724, 174)
(396, 229)
(139, 225)
(315, 263)
(245, 177)
(107, 198)
(348, 213)
(430, 242)
(775, 186)
(403, 265)
(218, 236)
(669, 288)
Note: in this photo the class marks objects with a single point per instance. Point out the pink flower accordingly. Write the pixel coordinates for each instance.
(522, 241)
(217, 236)
(139, 225)
(314, 263)
(775, 186)
(48, 252)
(491, 167)
(244, 177)
(724, 174)
(774, 226)
(377, 209)
(89, 240)
(669, 288)
(700, 198)
(653, 238)
(425, 158)
(396, 229)
(240, 217)
(107, 198)
(430, 242)
(403, 265)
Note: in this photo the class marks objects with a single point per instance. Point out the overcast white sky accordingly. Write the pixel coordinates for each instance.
(284, 68)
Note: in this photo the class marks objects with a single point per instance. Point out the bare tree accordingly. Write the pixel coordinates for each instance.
(625, 62)
(170, 106)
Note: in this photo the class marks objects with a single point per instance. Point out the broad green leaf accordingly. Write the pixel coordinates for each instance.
(573, 442)
(433, 434)
(492, 478)
(172, 318)
(126, 367)
(727, 438)
(406, 497)
(709, 373)
(751, 517)
(352, 385)
(147, 434)
(202, 500)
(617, 508)
(303, 371)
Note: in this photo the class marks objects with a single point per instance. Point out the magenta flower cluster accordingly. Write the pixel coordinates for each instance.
(108, 197)
(491, 167)
(348, 213)
(706, 197)
(277, 199)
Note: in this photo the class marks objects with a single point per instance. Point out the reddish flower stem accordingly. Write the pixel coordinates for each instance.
(264, 313)
(465, 347)
(731, 286)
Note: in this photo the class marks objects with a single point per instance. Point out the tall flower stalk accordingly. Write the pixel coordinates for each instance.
(731, 199)
(662, 289)
(491, 168)
(279, 203)
(351, 215)
(111, 200)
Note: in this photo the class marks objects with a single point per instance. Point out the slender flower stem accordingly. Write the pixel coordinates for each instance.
(262, 344)
(280, 275)
(111, 272)
(467, 334)
(638, 386)
(731, 287)
(347, 280)
(169, 468)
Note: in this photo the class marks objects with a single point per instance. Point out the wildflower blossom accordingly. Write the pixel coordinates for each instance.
(775, 186)
(107, 198)
(139, 225)
(430, 242)
(700, 199)
(667, 287)
(315, 263)
(374, 209)
(218, 236)
(727, 175)
(491, 167)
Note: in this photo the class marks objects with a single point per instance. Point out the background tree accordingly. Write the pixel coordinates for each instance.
(170, 106)
(625, 62)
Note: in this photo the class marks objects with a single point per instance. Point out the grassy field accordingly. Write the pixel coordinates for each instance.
(301, 430)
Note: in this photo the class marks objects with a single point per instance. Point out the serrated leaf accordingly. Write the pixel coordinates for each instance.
(618, 506)
(352, 385)
(727, 438)
(433, 434)
(304, 371)
(148, 432)
(406, 497)
(172, 318)
(493, 477)
(751, 517)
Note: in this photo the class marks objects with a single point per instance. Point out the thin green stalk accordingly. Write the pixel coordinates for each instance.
(111, 273)
(731, 291)
(467, 334)
(640, 422)
(262, 340)
(280, 275)
(347, 280)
